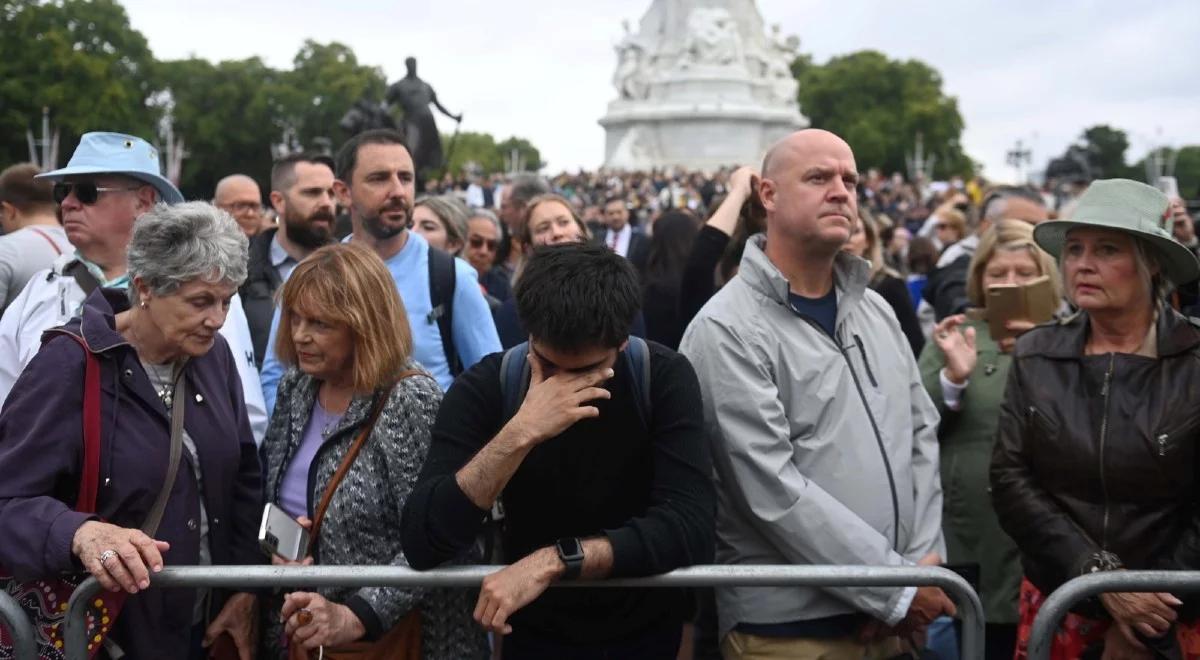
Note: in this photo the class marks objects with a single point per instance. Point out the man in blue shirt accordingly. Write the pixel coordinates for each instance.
(376, 181)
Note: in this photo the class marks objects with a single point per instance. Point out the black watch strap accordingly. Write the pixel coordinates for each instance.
(570, 551)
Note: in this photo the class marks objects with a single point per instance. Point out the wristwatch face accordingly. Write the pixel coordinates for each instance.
(570, 549)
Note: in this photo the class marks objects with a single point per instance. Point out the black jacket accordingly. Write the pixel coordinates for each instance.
(639, 247)
(258, 292)
(1097, 454)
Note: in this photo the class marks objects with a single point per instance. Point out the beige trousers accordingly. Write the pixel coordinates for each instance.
(740, 646)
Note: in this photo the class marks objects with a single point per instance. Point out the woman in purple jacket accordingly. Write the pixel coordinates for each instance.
(184, 264)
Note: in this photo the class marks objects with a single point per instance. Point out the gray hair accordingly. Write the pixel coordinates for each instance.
(524, 187)
(173, 245)
(486, 214)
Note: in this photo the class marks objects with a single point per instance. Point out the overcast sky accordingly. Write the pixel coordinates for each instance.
(541, 69)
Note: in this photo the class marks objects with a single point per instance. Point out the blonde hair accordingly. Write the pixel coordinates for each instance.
(955, 219)
(526, 236)
(874, 249)
(348, 285)
(1010, 236)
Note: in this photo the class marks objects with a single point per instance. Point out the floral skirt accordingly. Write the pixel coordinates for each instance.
(1077, 634)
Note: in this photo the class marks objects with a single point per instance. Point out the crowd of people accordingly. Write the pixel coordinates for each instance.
(593, 376)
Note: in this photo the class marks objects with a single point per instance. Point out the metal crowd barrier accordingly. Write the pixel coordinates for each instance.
(1051, 614)
(14, 620)
(239, 577)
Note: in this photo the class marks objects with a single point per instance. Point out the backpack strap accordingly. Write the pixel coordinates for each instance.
(442, 280)
(514, 379)
(79, 272)
(637, 358)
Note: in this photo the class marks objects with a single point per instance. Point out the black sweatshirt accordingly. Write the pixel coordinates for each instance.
(699, 274)
(650, 493)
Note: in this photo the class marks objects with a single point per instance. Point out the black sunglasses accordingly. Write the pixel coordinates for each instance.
(479, 241)
(87, 192)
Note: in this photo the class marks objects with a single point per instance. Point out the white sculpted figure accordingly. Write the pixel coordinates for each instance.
(630, 78)
(712, 38)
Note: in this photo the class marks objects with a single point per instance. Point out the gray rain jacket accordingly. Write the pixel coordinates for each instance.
(825, 451)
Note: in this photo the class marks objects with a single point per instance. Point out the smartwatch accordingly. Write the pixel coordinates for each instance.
(570, 551)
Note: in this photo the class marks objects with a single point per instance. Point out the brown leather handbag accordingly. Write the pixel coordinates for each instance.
(403, 641)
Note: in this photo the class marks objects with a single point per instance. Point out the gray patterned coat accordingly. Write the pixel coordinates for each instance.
(362, 524)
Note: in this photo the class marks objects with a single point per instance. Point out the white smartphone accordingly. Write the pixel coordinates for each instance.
(280, 534)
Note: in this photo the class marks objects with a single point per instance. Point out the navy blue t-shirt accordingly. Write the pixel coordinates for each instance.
(822, 310)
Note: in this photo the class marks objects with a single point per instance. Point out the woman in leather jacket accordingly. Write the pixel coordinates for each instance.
(1095, 464)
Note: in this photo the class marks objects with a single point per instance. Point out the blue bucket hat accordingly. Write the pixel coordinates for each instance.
(117, 153)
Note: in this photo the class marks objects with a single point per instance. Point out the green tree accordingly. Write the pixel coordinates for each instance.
(228, 114)
(325, 80)
(1106, 148)
(527, 154)
(472, 149)
(483, 152)
(879, 106)
(1187, 170)
(79, 58)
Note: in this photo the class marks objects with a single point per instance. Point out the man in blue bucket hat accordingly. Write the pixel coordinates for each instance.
(111, 179)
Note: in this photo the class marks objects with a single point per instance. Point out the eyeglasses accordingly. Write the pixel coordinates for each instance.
(87, 192)
(242, 207)
(479, 241)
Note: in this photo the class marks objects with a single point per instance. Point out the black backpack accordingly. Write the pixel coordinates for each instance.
(442, 280)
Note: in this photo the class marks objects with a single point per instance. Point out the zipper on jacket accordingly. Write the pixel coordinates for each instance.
(866, 363)
(1104, 392)
(887, 463)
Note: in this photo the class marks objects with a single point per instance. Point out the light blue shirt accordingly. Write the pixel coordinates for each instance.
(283, 262)
(473, 330)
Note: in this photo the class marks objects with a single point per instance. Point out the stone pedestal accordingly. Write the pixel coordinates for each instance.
(700, 86)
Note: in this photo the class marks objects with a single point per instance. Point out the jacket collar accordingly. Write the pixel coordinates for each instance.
(850, 276)
(301, 408)
(96, 323)
(1176, 334)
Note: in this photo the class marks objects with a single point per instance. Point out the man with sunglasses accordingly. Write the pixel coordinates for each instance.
(110, 180)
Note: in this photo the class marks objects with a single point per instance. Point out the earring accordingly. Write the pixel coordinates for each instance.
(143, 304)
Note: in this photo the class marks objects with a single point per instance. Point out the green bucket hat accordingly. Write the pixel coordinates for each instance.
(1130, 207)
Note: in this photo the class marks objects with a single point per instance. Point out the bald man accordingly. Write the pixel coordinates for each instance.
(824, 440)
(239, 196)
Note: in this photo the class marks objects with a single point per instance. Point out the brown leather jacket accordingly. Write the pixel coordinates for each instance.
(1096, 457)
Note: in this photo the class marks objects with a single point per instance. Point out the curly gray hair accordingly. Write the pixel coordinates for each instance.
(173, 245)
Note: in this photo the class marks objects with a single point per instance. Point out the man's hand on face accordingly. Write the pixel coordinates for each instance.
(514, 587)
(553, 404)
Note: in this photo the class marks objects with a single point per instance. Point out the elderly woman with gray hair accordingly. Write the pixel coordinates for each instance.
(177, 480)
(1095, 464)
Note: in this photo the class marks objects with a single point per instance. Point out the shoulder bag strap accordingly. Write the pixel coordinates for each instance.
(178, 403)
(82, 277)
(53, 245)
(89, 482)
(348, 460)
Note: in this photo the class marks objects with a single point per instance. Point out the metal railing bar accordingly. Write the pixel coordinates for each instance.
(1057, 604)
(969, 606)
(19, 628)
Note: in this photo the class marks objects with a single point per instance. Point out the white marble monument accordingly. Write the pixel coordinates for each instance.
(700, 84)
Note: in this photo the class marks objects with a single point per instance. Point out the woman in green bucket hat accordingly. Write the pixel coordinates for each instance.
(1094, 467)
